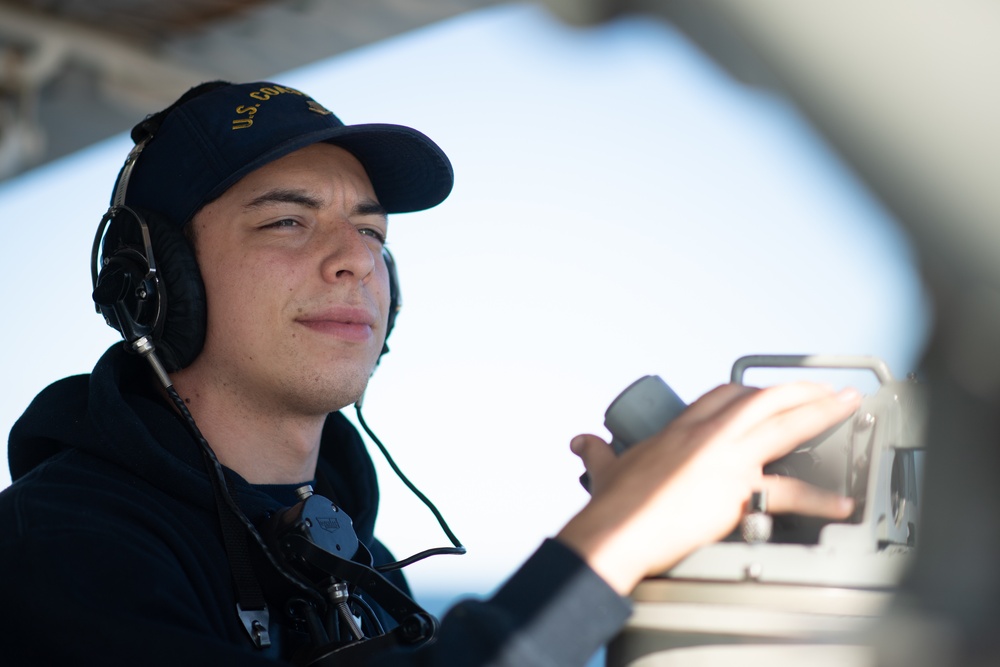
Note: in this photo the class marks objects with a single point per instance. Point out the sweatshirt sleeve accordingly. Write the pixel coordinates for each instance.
(554, 611)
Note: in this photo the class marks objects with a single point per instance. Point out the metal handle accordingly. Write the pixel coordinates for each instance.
(874, 364)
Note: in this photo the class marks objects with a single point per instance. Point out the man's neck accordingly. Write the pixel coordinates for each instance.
(264, 445)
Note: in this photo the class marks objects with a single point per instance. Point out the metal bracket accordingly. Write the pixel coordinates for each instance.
(256, 622)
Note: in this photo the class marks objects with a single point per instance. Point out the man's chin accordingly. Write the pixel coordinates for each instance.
(337, 392)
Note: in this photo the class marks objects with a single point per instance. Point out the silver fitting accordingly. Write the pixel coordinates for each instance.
(757, 523)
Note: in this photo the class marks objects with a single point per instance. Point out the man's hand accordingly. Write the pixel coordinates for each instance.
(689, 484)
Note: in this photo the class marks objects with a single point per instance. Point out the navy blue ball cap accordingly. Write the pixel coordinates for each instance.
(219, 132)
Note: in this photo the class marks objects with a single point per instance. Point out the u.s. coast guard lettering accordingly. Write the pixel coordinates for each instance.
(245, 112)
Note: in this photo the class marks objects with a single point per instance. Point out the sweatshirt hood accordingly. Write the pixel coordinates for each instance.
(116, 415)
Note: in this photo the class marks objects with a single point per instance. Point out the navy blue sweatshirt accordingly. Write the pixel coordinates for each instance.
(111, 551)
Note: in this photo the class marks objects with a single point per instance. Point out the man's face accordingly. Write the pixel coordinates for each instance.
(296, 286)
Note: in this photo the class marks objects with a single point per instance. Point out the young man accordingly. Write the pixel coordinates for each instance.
(243, 258)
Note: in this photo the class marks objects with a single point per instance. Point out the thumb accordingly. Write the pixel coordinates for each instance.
(597, 456)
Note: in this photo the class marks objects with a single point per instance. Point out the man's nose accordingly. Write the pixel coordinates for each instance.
(347, 254)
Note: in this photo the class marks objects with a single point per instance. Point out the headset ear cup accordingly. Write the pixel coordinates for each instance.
(395, 298)
(124, 292)
(181, 335)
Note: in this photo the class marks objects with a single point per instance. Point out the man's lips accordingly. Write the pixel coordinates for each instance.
(353, 324)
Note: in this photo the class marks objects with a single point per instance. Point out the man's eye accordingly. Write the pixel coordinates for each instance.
(284, 222)
(374, 233)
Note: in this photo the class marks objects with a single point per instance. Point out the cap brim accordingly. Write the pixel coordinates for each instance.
(408, 171)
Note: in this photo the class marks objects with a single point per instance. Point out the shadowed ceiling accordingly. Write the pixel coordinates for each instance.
(73, 72)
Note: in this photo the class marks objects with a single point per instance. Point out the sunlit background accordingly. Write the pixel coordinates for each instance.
(621, 208)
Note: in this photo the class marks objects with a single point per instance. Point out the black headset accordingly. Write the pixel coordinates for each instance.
(156, 300)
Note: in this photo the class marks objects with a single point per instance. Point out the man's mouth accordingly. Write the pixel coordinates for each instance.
(352, 324)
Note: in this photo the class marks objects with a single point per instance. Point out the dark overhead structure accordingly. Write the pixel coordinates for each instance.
(73, 72)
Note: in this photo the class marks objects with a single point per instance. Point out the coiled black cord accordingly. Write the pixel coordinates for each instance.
(458, 549)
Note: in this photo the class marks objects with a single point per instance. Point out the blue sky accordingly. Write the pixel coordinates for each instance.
(621, 208)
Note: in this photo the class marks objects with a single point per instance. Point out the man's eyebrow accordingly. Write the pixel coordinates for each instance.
(370, 207)
(284, 197)
(302, 198)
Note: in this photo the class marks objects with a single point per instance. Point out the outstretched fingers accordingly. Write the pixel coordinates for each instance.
(796, 417)
(741, 409)
(788, 495)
